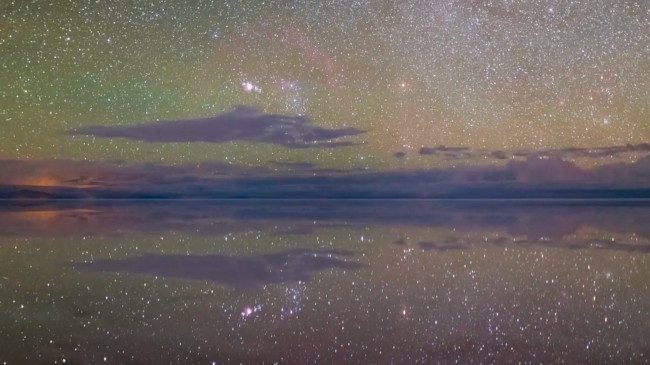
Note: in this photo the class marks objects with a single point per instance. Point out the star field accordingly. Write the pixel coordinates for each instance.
(482, 74)
(499, 298)
(337, 181)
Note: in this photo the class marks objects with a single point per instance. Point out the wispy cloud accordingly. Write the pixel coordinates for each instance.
(89, 174)
(533, 177)
(243, 124)
(598, 152)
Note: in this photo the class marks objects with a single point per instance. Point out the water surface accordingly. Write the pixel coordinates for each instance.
(325, 281)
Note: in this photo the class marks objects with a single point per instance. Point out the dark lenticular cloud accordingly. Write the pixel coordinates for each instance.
(244, 124)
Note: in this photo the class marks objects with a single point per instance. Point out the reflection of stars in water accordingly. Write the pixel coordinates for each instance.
(294, 295)
(288, 306)
(555, 303)
(248, 310)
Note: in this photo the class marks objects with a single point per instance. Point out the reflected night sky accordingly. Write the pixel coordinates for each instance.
(540, 221)
(401, 281)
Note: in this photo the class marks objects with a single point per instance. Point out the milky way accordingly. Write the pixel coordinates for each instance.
(336, 181)
(495, 75)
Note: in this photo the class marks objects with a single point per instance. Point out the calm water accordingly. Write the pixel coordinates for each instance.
(319, 281)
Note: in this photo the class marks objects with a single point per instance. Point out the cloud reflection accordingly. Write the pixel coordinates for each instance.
(545, 223)
(250, 272)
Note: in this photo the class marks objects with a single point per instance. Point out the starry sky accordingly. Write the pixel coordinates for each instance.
(370, 83)
(249, 98)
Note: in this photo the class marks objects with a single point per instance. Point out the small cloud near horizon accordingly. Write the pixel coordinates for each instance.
(456, 153)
